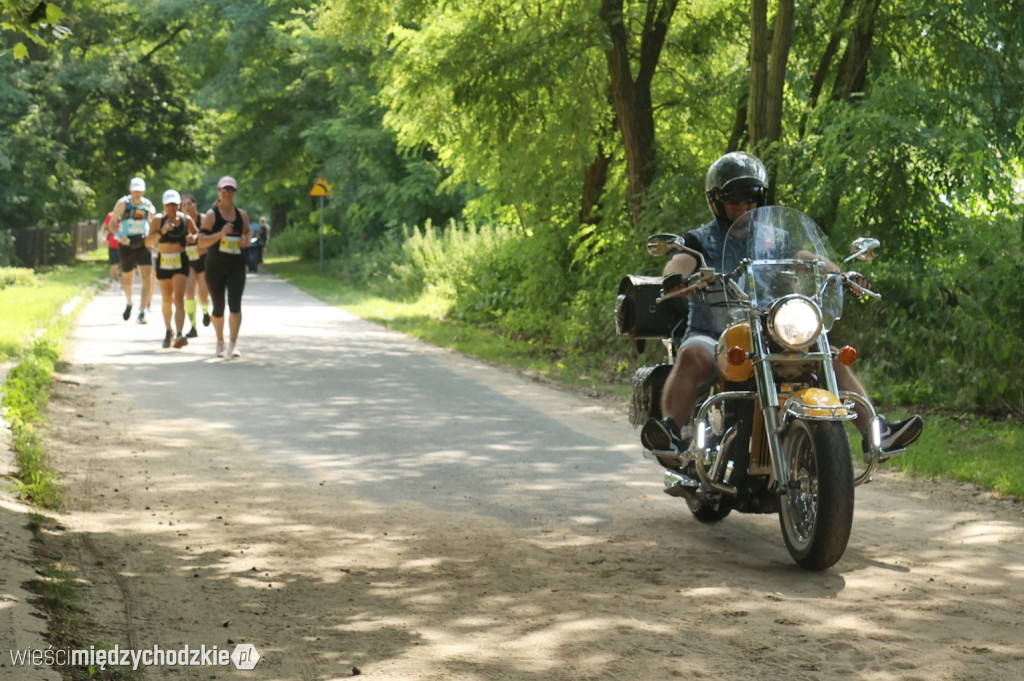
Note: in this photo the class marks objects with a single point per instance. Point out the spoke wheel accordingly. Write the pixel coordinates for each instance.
(817, 510)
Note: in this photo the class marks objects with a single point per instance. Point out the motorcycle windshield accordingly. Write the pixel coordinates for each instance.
(783, 252)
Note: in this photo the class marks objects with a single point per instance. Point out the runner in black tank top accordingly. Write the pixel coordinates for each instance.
(225, 231)
(168, 232)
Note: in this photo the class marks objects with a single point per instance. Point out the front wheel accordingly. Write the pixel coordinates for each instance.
(817, 509)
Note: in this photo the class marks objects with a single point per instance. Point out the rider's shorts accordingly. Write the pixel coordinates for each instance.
(701, 340)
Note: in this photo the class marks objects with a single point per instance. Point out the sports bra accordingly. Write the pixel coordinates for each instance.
(176, 235)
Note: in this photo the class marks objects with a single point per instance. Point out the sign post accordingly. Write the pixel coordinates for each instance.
(321, 188)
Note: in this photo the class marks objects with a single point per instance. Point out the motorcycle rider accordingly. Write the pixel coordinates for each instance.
(735, 184)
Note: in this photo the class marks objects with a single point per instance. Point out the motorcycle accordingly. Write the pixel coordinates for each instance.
(770, 431)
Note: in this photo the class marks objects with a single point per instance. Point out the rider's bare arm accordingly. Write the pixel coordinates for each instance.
(681, 263)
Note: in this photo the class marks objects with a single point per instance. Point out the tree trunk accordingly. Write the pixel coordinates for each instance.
(278, 218)
(757, 104)
(594, 181)
(851, 75)
(631, 98)
(739, 126)
(782, 39)
(825, 63)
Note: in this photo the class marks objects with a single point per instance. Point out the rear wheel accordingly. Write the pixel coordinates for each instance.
(817, 509)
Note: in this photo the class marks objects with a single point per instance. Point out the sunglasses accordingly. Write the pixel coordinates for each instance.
(754, 196)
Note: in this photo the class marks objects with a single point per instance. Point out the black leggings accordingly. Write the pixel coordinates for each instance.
(225, 274)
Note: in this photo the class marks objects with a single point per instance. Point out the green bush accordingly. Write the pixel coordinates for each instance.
(298, 240)
(951, 331)
(17, 276)
(372, 269)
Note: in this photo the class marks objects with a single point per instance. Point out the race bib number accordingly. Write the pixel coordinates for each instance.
(231, 244)
(135, 227)
(192, 251)
(170, 261)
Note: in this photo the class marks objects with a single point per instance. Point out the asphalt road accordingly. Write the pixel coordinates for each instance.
(321, 391)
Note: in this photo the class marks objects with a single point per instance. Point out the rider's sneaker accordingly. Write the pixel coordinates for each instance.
(898, 435)
(664, 435)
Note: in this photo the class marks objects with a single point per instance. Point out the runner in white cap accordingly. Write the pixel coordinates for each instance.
(133, 211)
(168, 232)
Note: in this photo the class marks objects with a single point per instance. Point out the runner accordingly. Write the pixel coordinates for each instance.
(196, 270)
(226, 232)
(133, 213)
(168, 232)
(110, 230)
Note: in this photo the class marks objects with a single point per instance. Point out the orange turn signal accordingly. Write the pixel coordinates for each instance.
(736, 355)
(847, 355)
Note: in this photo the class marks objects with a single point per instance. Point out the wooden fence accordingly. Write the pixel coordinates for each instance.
(42, 246)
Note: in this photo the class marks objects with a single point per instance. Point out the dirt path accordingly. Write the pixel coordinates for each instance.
(186, 537)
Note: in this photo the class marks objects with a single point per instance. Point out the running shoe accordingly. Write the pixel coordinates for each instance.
(220, 348)
(167, 339)
(192, 333)
(127, 312)
(180, 341)
(142, 317)
(206, 319)
(233, 351)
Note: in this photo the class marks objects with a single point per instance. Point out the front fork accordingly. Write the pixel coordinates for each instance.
(776, 416)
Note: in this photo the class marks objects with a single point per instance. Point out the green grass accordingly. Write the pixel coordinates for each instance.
(952, 447)
(34, 301)
(969, 449)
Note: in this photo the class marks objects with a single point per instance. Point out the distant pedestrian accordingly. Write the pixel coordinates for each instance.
(259, 245)
(226, 232)
(168, 233)
(133, 212)
(263, 233)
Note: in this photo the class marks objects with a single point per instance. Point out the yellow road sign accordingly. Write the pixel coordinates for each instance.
(320, 188)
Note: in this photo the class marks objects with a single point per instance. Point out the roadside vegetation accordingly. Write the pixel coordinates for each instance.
(32, 333)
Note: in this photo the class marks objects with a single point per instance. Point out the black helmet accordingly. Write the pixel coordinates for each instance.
(735, 172)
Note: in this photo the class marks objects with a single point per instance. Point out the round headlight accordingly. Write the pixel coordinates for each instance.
(794, 322)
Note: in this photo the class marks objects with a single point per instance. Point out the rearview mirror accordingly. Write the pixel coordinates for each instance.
(864, 248)
(668, 244)
(663, 244)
